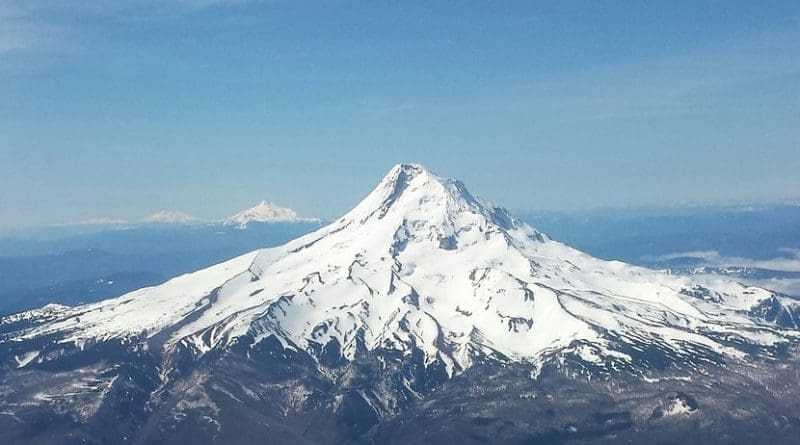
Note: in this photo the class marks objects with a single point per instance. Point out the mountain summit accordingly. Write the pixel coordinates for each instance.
(419, 284)
(170, 217)
(264, 212)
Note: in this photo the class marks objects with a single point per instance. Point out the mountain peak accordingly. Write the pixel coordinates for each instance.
(267, 206)
(410, 193)
(263, 212)
(401, 176)
(170, 217)
(421, 265)
(406, 171)
(418, 283)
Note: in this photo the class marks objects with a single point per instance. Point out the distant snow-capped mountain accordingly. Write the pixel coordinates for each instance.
(421, 293)
(265, 212)
(170, 217)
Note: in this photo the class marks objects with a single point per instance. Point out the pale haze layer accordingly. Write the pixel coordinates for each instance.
(116, 112)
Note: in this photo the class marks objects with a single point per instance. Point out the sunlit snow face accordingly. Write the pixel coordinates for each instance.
(422, 264)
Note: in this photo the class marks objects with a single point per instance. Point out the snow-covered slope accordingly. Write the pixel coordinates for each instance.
(262, 212)
(422, 265)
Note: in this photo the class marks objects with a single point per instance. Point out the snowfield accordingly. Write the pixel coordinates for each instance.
(422, 264)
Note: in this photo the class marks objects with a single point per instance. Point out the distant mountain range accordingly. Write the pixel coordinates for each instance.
(423, 315)
(262, 212)
(77, 264)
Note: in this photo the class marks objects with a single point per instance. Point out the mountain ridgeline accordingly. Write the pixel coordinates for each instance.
(423, 315)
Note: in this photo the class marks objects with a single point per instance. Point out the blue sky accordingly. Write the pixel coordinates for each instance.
(114, 109)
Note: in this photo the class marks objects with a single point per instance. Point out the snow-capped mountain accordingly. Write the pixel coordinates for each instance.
(170, 217)
(420, 286)
(421, 263)
(264, 212)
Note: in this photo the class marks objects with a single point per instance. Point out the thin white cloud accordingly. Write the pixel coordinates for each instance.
(788, 286)
(691, 82)
(789, 263)
(20, 30)
(32, 26)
